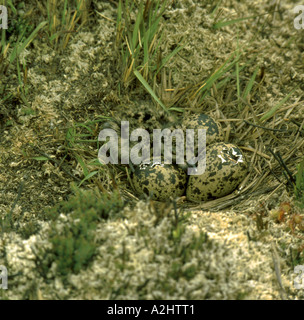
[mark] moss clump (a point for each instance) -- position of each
(73, 244)
(73, 249)
(90, 204)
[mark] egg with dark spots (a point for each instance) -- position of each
(225, 169)
(160, 181)
(214, 132)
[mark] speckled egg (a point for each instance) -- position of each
(225, 169)
(159, 180)
(213, 128)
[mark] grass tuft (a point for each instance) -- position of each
(73, 244)
(139, 41)
(64, 18)
(14, 40)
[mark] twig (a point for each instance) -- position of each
(288, 174)
(103, 16)
(277, 268)
(257, 126)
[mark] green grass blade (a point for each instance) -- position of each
(222, 24)
(14, 10)
(177, 109)
(138, 21)
(82, 164)
(40, 158)
(215, 9)
(149, 89)
(237, 69)
(146, 46)
(223, 82)
(31, 37)
(90, 175)
(271, 112)
(217, 74)
(3, 40)
(64, 12)
(169, 56)
(250, 83)
(119, 15)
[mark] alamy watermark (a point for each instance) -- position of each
(140, 152)
(3, 277)
(3, 17)
(298, 21)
